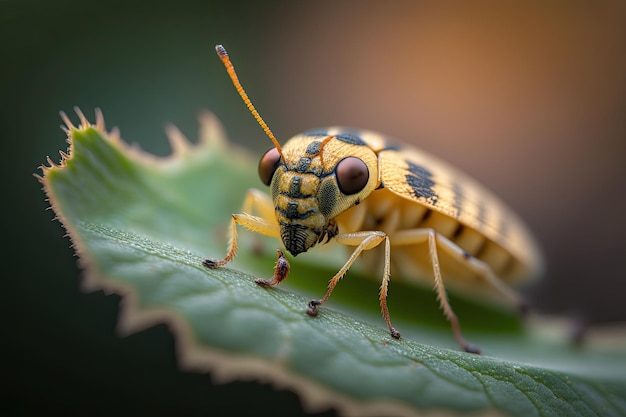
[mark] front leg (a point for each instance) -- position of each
(280, 272)
(362, 241)
(265, 224)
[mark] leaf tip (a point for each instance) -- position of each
(84, 123)
(211, 130)
(100, 125)
(178, 141)
(69, 126)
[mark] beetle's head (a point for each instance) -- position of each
(315, 180)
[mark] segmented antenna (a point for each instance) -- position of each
(221, 52)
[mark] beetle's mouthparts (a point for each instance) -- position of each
(294, 237)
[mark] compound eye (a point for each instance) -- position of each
(352, 175)
(268, 165)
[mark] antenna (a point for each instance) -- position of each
(221, 52)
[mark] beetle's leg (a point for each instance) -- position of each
(266, 224)
(362, 241)
(280, 272)
(483, 271)
(429, 236)
(443, 296)
(257, 202)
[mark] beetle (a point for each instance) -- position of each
(358, 189)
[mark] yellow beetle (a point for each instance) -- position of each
(355, 188)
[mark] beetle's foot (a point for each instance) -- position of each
(210, 263)
(394, 333)
(263, 282)
(469, 348)
(312, 310)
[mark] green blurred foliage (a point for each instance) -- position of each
(145, 64)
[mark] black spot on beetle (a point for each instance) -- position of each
(303, 164)
(316, 133)
(351, 138)
(420, 180)
(292, 212)
(313, 148)
(294, 187)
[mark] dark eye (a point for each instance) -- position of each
(268, 165)
(352, 175)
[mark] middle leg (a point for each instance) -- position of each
(433, 240)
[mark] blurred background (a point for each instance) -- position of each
(528, 98)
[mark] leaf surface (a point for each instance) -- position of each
(142, 226)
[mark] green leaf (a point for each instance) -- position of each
(142, 226)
